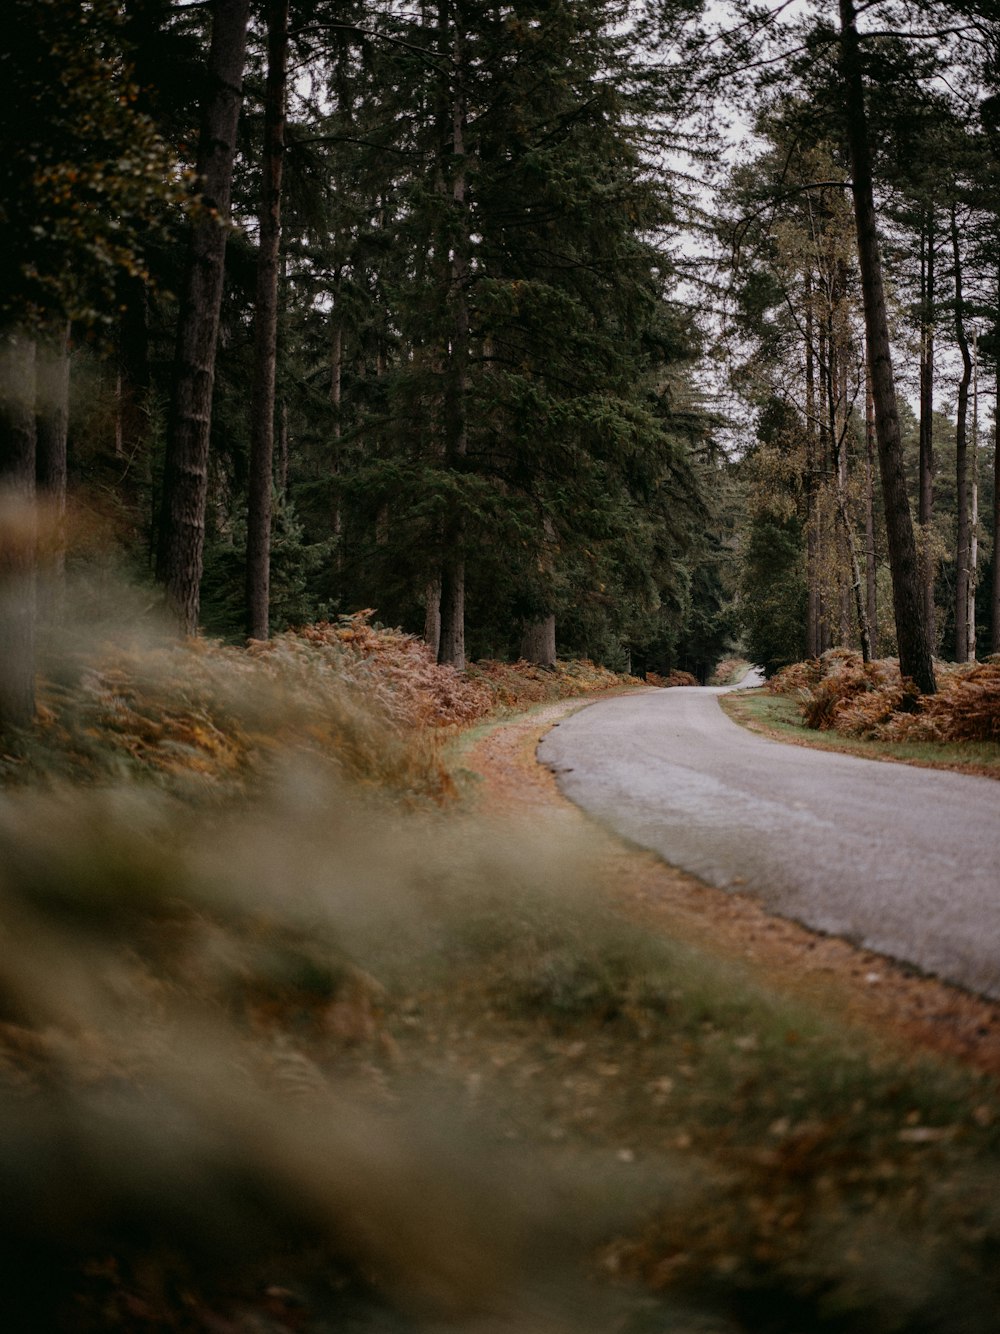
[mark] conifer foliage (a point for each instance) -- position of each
(411, 342)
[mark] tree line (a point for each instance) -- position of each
(819, 539)
(338, 305)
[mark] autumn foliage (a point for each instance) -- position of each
(675, 678)
(204, 717)
(840, 692)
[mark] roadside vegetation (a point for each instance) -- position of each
(839, 702)
(200, 717)
(295, 1038)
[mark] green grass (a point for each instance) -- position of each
(779, 716)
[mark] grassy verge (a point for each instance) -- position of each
(780, 716)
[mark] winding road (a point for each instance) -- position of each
(901, 860)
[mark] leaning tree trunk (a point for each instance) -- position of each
(963, 543)
(258, 571)
(185, 478)
(915, 660)
(17, 530)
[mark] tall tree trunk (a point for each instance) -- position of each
(51, 432)
(258, 570)
(995, 598)
(451, 648)
(538, 642)
(336, 398)
(925, 513)
(871, 583)
(963, 544)
(838, 431)
(974, 500)
(812, 487)
(915, 658)
(432, 617)
(840, 346)
(825, 455)
(17, 530)
(185, 480)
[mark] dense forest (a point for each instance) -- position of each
(627, 331)
(380, 382)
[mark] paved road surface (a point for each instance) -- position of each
(905, 861)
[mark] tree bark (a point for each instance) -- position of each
(825, 634)
(451, 646)
(258, 567)
(812, 488)
(185, 479)
(974, 501)
(432, 617)
(336, 400)
(915, 658)
(925, 513)
(51, 433)
(451, 649)
(538, 639)
(17, 530)
(538, 642)
(963, 543)
(871, 583)
(995, 592)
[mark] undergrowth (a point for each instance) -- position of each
(317, 1059)
(842, 693)
(323, 1065)
(674, 678)
(209, 721)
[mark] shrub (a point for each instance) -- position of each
(675, 678)
(842, 693)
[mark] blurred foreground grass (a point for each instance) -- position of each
(288, 1053)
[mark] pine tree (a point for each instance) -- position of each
(266, 327)
(84, 181)
(185, 480)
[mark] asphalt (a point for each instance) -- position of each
(902, 860)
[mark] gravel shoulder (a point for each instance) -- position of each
(891, 1000)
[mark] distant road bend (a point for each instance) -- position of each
(904, 861)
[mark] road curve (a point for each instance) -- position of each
(904, 861)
